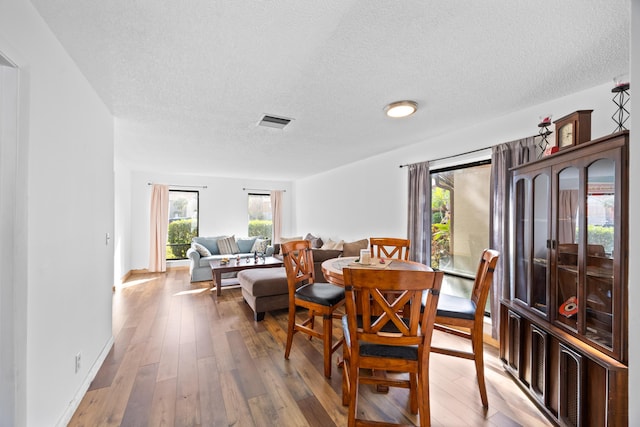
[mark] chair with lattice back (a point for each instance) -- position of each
(464, 317)
(320, 299)
(383, 336)
(389, 247)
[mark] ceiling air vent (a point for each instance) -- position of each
(274, 121)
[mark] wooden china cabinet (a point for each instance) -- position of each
(564, 334)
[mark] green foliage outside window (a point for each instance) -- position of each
(440, 230)
(599, 235)
(179, 237)
(260, 227)
(439, 243)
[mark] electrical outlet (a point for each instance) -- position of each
(78, 357)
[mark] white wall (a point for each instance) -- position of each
(65, 269)
(223, 208)
(122, 223)
(8, 228)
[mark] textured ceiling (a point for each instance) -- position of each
(188, 80)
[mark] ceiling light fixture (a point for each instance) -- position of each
(401, 109)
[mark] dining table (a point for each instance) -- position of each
(332, 268)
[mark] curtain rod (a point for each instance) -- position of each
(181, 186)
(464, 154)
(261, 189)
(449, 157)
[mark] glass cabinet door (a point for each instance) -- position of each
(601, 202)
(522, 237)
(540, 232)
(567, 237)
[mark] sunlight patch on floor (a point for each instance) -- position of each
(192, 292)
(137, 282)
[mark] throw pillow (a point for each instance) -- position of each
(330, 244)
(245, 244)
(353, 248)
(228, 245)
(316, 242)
(210, 243)
(260, 245)
(202, 250)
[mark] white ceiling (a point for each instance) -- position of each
(188, 80)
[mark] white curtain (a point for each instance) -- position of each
(159, 222)
(276, 215)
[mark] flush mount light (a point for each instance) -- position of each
(401, 108)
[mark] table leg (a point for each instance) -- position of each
(218, 277)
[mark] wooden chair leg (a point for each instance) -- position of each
(290, 330)
(353, 395)
(478, 353)
(327, 338)
(345, 376)
(414, 403)
(422, 392)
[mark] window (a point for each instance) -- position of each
(460, 209)
(260, 221)
(183, 222)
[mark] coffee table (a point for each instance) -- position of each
(217, 267)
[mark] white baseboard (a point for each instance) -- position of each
(75, 402)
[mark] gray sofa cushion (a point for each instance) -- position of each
(320, 255)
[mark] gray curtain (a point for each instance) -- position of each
(503, 157)
(419, 213)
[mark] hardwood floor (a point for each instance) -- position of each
(181, 357)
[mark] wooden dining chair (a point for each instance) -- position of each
(464, 317)
(395, 340)
(320, 299)
(389, 247)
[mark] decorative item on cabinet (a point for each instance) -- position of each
(573, 129)
(544, 132)
(621, 99)
(550, 150)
